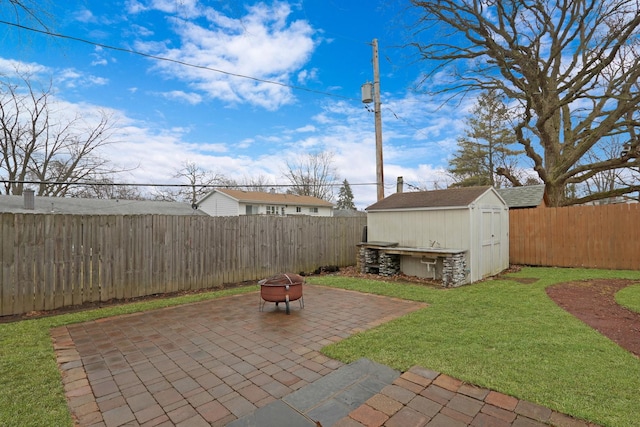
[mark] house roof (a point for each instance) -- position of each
(78, 206)
(528, 196)
(275, 198)
(348, 213)
(449, 198)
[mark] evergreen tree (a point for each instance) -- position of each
(484, 149)
(345, 197)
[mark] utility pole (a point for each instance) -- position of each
(378, 121)
(367, 98)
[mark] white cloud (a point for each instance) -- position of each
(190, 98)
(140, 31)
(99, 61)
(305, 76)
(262, 44)
(73, 78)
(84, 15)
(134, 7)
(307, 128)
(184, 8)
(9, 67)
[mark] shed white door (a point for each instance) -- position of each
(490, 261)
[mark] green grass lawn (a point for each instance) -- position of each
(499, 334)
(510, 337)
(629, 297)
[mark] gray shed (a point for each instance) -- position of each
(458, 235)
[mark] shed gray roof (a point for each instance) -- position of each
(528, 196)
(451, 197)
(77, 206)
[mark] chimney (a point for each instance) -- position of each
(29, 199)
(399, 185)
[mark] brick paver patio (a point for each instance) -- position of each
(213, 362)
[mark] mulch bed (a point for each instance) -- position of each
(593, 302)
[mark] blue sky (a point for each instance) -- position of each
(168, 113)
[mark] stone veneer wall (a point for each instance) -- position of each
(374, 262)
(454, 271)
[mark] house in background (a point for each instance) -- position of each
(227, 202)
(526, 196)
(29, 203)
(457, 235)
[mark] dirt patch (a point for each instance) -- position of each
(593, 302)
(112, 302)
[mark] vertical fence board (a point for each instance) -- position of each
(77, 275)
(59, 261)
(22, 291)
(577, 236)
(39, 279)
(97, 292)
(52, 261)
(6, 263)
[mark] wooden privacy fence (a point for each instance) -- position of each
(54, 261)
(604, 236)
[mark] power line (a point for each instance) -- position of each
(176, 61)
(122, 184)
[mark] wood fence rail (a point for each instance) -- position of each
(53, 261)
(604, 236)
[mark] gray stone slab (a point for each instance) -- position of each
(355, 396)
(276, 414)
(329, 412)
(373, 375)
(327, 400)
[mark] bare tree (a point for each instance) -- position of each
(313, 175)
(607, 180)
(107, 188)
(41, 143)
(27, 11)
(197, 182)
(255, 183)
(573, 67)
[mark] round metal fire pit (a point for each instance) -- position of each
(284, 287)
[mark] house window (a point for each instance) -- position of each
(271, 210)
(313, 210)
(251, 210)
(298, 209)
(282, 211)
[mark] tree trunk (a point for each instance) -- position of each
(555, 194)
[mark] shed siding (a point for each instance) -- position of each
(421, 229)
(490, 199)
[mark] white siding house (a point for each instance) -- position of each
(226, 202)
(426, 227)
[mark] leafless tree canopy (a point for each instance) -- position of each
(27, 11)
(197, 182)
(313, 175)
(42, 143)
(571, 66)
